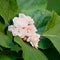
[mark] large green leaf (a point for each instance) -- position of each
(30, 53)
(31, 4)
(5, 41)
(8, 9)
(53, 30)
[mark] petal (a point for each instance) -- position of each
(21, 15)
(10, 28)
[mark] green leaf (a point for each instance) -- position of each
(54, 5)
(31, 4)
(1, 49)
(52, 54)
(30, 53)
(1, 27)
(5, 57)
(44, 43)
(16, 48)
(2, 20)
(41, 18)
(53, 30)
(5, 41)
(2, 23)
(8, 9)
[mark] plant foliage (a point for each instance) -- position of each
(48, 25)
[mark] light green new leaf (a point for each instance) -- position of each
(30, 53)
(8, 9)
(53, 30)
(5, 41)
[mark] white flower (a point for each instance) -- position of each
(23, 26)
(13, 30)
(17, 31)
(20, 22)
(30, 29)
(28, 18)
(34, 39)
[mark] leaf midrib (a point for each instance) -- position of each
(52, 36)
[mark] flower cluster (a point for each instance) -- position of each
(23, 26)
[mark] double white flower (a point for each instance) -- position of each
(23, 26)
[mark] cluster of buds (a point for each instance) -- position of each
(23, 26)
